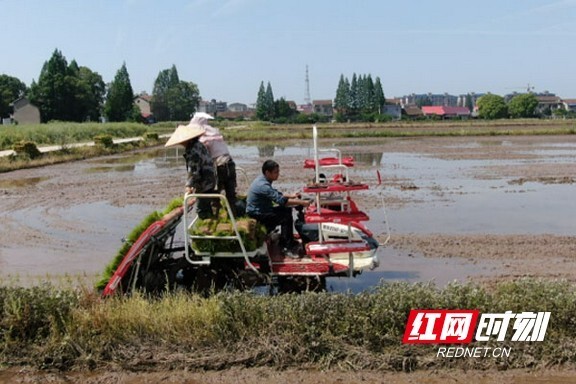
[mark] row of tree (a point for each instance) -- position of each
(268, 109)
(69, 92)
(495, 107)
(359, 99)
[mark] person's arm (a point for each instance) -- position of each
(295, 199)
(292, 202)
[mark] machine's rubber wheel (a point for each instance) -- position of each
(300, 284)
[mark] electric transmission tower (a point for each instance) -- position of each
(307, 100)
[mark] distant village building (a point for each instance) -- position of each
(239, 115)
(548, 102)
(25, 112)
(412, 112)
(237, 107)
(212, 107)
(468, 100)
(392, 110)
(569, 105)
(430, 99)
(144, 102)
(323, 107)
(305, 108)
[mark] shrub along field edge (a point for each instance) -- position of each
(74, 329)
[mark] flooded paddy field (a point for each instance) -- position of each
(479, 208)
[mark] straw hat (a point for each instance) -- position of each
(184, 133)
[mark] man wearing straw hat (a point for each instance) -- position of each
(199, 164)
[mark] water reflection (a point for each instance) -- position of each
(19, 183)
(119, 168)
(266, 150)
(371, 158)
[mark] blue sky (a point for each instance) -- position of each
(227, 47)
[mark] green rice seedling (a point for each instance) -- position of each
(131, 238)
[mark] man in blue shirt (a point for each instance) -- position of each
(271, 207)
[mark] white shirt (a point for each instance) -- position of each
(215, 143)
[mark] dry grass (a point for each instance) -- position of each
(75, 329)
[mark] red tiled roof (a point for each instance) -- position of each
(443, 111)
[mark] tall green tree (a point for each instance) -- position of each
(354, 99)
(93, 91)
(342, 102)
(265, 106)
(492, 107)
(379, 98)
(361, 95)
(183, 100)
(119, 104)
(282, 109)
(369, 103)
(172, 98)
(261, 111)
(86, 91)
(67, 92)
(51, 93)
(523, 105)
(11, 89)
(361, 98)
(269, 100)
(166, 79)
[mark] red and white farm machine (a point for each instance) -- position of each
(334, 242)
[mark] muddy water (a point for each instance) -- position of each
(459, 196)
(466, 186)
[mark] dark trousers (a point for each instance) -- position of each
(204, 206)
(281, 216)
(227, 182)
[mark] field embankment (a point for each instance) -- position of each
(73, 329)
